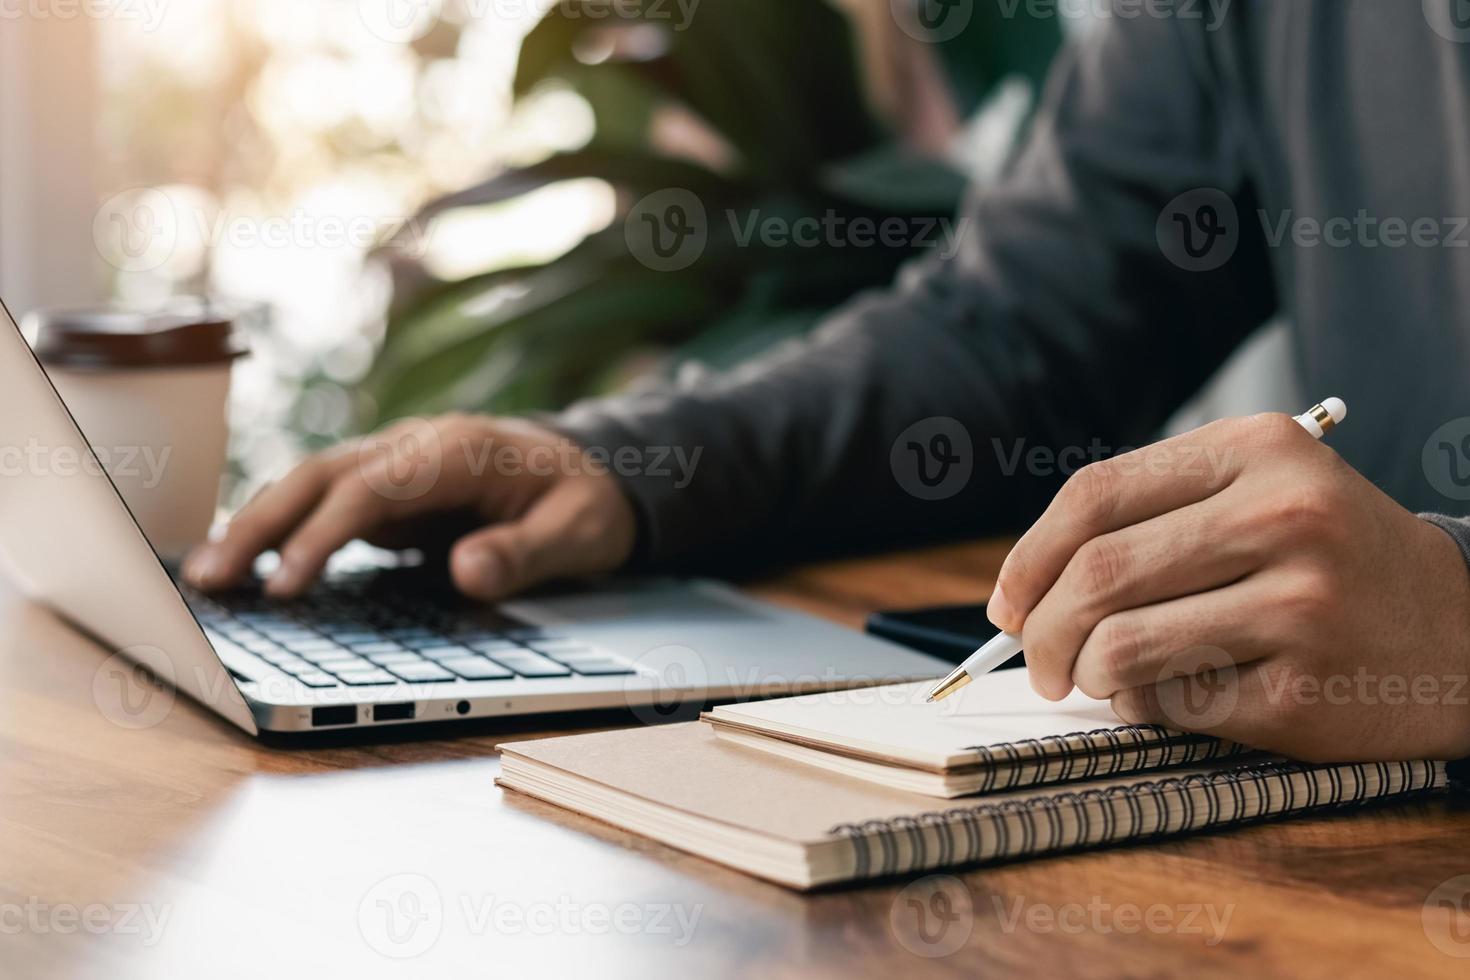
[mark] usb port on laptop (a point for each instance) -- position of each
(393, 712)
(336, 714)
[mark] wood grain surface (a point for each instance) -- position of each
(181, 848)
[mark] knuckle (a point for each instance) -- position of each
(1091, 495)
(1275, 431)
(1229, 430)
(1305, 511)
(1016, 572)
(1306, 598)
(1110, 656)
(1102, 566)
(355, 492)
(301, 551)
(1121, 642)
(455, 425)
(312, 470)
(589, 526)
(514, 560)
(250, 517)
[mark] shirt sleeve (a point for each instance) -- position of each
(1057, 332)
(1457, 528)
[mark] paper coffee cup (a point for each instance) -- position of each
(149, 391)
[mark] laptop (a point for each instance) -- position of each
(391, 645)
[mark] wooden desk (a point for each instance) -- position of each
(271, 862)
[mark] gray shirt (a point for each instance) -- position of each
(1186, 180)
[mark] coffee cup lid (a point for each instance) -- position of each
(187, 335)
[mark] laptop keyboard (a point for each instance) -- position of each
(340, 635)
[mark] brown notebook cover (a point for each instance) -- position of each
(803, 827)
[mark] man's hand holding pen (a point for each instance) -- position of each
(1332, 621)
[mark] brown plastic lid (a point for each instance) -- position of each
(98, 339)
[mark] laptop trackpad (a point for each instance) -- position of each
(664, 604)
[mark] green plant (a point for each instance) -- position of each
(779, 81)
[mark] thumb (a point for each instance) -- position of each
(557, 537)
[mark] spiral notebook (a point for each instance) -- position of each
(995, 734)
(803, 827)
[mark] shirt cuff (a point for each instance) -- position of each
(1457, 528)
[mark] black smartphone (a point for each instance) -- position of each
(951, 633)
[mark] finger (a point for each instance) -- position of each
(1150, 644)
(1194, 549)
(1235, 705)
(263, 522)
(383, 485)
(1113, 494)
(349, 510)
(563, 534)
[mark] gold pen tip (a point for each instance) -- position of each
(948, 686)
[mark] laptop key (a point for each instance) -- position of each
(287, 638)
(313, 645)
(528, 664)
(354, 637)
(601, 668)
(442, 654)
(556, 644)
(421, 671)
(340, 667)
(336, 654)
(367, 678)
(585, 652)
(477, 669)
(299, 667)
(494, 646)
(472, 636)
(414, 635)
(368, 649)
(529, 633)
(318, 679)
(401, 657)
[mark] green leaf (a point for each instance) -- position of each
(552, 344)
(995, 45)
(778, 80)
(890, 178)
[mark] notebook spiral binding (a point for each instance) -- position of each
(962, 833)
(1103, 751)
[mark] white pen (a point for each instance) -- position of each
(1318, 420)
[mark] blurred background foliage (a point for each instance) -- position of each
(764, 110)
(493, 148)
